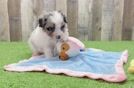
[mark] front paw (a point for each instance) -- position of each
(37, 54)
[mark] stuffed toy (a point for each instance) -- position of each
(70, 48)
(131, 67)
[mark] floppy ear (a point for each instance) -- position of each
(64, 17)
(41, 23)
(43, 20)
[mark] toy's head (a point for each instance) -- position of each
(70, 48)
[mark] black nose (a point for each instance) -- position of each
(58, 37)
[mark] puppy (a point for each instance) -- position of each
(52, 28)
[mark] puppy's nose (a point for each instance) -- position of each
(58, 37)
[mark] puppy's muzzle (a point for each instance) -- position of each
(58, 37)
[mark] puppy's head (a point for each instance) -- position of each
(54, 24)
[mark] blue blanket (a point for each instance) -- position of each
(92, 63)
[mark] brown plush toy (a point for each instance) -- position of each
(64, 47)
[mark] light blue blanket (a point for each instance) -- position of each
(92, 63)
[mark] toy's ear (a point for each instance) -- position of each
(65, 47)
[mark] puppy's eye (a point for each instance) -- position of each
(50, 29)
(62, 27)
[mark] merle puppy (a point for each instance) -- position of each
(52, 28)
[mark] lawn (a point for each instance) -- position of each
(13, 52)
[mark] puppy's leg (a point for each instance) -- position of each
(55, 52)
(34, 49)
(48, 53)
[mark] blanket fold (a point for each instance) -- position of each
(92, 63)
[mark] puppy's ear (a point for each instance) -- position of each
(41, 23)
(64, 17)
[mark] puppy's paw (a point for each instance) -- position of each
(37, 54)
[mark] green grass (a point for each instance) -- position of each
(13, 52)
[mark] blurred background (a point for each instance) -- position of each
(96, 20)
